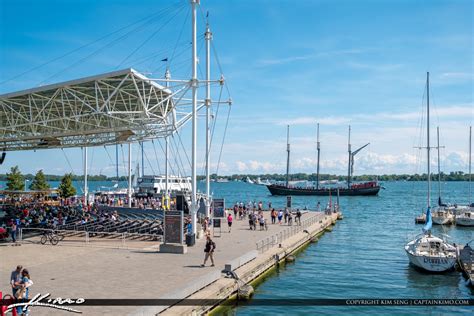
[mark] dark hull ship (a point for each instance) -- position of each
(358, 189)
(363, 189)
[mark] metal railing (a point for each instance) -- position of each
(276, 239)
(91, 238)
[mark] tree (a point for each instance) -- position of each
(39, 182)
(66, 189)
(15, 180)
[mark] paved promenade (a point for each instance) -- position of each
(89, 272)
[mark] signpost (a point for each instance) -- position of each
(173, 227)
(218, 207)
(216, 223)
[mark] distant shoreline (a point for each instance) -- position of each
(452, 176)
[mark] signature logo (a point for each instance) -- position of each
(44, 301)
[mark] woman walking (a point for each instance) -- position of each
(229, 221)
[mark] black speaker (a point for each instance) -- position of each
(2, 157)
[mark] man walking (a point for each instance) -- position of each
(15, 279)
(209, 250)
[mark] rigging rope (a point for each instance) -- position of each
(151, 36)
(67, 159)
(149, 17)
(223, 139)
(111, 43)
(156, 156)
(146, 157)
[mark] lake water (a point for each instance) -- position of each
(363, 257)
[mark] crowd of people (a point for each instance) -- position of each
(154, 203)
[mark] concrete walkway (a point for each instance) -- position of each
(70, 272)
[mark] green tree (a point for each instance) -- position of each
(15, 180)
(39, 182)
(66, 189)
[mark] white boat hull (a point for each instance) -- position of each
(442, 220)
(431, 264)
(465, 221)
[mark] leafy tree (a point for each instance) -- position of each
(15, 180)
(66, 189)
(39, 182)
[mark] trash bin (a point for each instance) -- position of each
(190, 239)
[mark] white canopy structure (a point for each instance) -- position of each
(116, 107)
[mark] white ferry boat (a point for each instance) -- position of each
(151, 185)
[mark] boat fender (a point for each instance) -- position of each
(290, 258)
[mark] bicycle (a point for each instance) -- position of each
(51, 236)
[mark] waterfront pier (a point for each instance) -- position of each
(141, 272)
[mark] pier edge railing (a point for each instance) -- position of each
(276, 239)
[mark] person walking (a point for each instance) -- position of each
(290, 219)
(229, 221)
(286, 215)
(13, 228)
(23, 290)
(280, 216)
(298, 217)
(15, 279)
(273, 215)
(209, 251)
(261, 221)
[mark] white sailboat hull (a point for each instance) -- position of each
(442, 220)
(432, 264)
(465, 221)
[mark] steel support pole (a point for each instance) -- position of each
(194, 84)
(167, 77)
(129, 190)
(208, 118)
(85, 176)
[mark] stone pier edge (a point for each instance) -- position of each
(253, 272)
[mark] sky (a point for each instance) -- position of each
(337, 63)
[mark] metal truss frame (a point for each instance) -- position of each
(118, 107)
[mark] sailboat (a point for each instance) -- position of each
(442, 214)
(365, 188)
(465, 215)
(429, 252)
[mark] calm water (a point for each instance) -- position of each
(363, 257)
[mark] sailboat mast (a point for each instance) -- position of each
(439, 168)
(428, 134)
(470, 154)
(317, 167)
(288, 155)
(349, 160)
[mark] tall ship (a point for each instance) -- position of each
(352, 189)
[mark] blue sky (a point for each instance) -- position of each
(336, 62)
